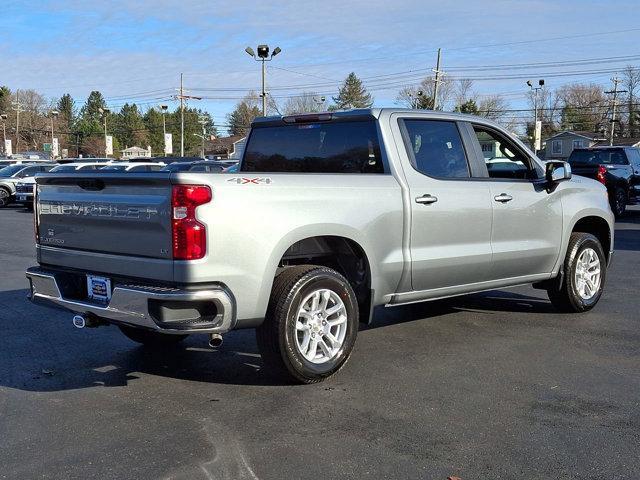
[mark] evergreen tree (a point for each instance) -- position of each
(67, 108)
(468, 107)
(5, 99)
(130, 127)
(245, 112)
(352, 94)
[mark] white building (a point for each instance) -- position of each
(134, 152)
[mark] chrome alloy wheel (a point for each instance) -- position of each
(321, 326)
(587, 274)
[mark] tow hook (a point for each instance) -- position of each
(215, 340)
(86, 321)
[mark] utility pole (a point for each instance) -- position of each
(181, 116)
(182, 98)
(436, 82)
(18, 108)
(614, 107)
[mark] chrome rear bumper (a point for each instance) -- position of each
(130, 304)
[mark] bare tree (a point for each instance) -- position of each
(582, 107)
(493, 107)
(631, 82)
(306, 102)
(464, 91)
(421, 96)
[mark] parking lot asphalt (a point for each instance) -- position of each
(492, 385)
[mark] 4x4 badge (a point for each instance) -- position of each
(255, 181)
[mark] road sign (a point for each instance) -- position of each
(56, 148)
(46, 147)
(108, 150)
(168, 143)
(7, 148)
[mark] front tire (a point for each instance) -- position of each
(151, 339)
(585, 268)
(311, 324)
(5, 197)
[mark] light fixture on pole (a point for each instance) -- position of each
(263, 56)
(105, 112)
(537, 126)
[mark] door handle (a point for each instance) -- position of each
(503, 198)
(426, 199)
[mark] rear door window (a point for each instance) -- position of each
(435, 148)
(324, 147)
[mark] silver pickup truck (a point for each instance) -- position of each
(328, 216)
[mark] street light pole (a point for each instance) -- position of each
(3, 117)
(104, 112)
(535, 91)
(53, 114)
(263, 56)
(163, 109)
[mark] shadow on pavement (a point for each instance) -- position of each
(42, 351)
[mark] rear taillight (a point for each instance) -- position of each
(601, 175)
(189, 235)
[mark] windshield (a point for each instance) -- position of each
(331, 147)
(10, 170)
(598, 157)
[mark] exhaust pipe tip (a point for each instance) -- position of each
(215, 340)
(79, 321)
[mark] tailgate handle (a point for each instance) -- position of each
(91, 184)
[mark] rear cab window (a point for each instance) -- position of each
(605, 156)
(336, 146)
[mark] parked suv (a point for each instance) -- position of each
(329, 216)
(617, 168)
(12, 174)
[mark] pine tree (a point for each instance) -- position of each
(131, 129)
(352, 94)
(469, 107)
(67, 108)
(245, 112)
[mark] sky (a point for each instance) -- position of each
(134, 51)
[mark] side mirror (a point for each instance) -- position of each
(557, 171)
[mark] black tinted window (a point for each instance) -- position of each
(331, 147)
(606, 156)
(435, 148)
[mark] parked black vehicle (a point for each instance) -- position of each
(617, 168)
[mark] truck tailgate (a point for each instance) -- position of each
(105, 215)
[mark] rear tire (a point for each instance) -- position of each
(619, 202)
(311, 324)
(150, 338)
(581, 286)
